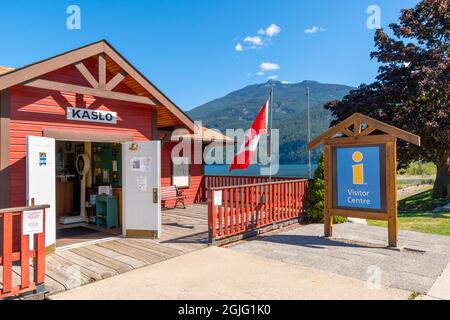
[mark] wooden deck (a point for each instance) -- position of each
(183, 231)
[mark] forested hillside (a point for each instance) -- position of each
(239, 108)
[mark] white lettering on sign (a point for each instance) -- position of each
(33, 222)
(80, 114)
(218, 198)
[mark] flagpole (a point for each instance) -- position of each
(309, 132)
(270, 131)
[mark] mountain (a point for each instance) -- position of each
(238, 109)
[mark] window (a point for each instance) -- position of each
(180, 172)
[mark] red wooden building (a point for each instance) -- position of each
(49, 99)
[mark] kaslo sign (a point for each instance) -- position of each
(81, 114)
(360, 166)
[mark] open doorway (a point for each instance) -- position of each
(88, 191)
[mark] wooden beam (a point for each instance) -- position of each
(399, 133)
(357, 126)
(102, 71)
(330, 133)
(86, 74)
(158, 95)
(5, 105)
(154, 122)
(368, 131)
(58, 86)
(85, 135)
(166, 138)
(347, 132)
(36, 70)
(374, 124)
(116, 80)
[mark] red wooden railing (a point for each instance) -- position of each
(227, 181)
(31, 275)
(246, 207)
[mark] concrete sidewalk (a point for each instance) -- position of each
(359, 251)
(220, 273)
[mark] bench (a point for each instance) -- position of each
(172, 193)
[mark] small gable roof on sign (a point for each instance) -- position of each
(355, 121)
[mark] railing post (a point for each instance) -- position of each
(211, 217)
(39, 273)
(24, 256)
(7, 252)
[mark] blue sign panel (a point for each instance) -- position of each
(358, 182)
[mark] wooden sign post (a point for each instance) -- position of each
(360, 171)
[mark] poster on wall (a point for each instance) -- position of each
(141, 164)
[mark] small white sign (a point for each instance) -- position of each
(33, 222)
(81, 114)
(104, 190)
(142, 183)
(217, 198)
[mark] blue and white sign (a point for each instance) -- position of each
(358, 177)
(81, 114)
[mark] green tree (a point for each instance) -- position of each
(315, 198)
(412, 89)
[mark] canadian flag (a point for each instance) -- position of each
(245, 154)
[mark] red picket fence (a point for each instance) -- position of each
(246, 207)
(32, 275)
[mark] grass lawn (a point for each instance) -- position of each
(417, 215)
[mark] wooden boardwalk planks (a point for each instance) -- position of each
(183, 231)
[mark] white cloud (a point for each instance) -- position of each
(257, 41)
(239, 47)
(260, 73)
(314, 29)
(262, 39)
(285, 82)
(273, 30)
(273, 77)
(268, 66)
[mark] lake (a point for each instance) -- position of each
(286, 170)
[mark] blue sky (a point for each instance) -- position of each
(188, 48)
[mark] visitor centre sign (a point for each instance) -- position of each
(360, 171)
(358, 177)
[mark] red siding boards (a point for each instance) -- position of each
(193, 192)
(33, 110)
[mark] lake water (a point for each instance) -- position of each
(286, 170)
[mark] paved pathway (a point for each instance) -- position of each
(220, 273)
(359, 251)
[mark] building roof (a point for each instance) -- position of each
(204, 134)
(169, 114)
(4, 69)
